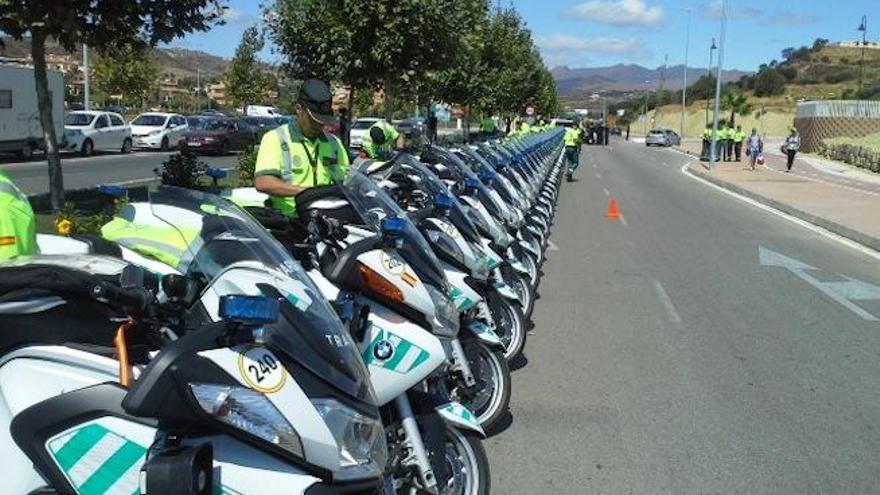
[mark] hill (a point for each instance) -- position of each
(181, 62)
(626, 78)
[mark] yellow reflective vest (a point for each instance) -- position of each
(18, 225)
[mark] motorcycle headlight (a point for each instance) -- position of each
(250, 412)
(446, 321)
(361, 440)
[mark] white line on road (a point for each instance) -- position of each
(623, 221)
(551, 246)
(607, 192)
(807, 225)
(594, 166)
(667, 302)
(598, 175)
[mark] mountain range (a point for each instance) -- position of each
(621, 79)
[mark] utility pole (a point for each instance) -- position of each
(687, 44)
(724, 9)
(863, 27)
(86, 99)
(709, 73)
(198, 87)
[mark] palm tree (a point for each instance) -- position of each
(737, 102)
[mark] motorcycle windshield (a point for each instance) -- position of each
(373, 204)
(435, 187)
(219, 234)
(459, 168)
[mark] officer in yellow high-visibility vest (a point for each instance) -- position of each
(300, 155)
(381, 140)
(572, 141)
(707, 143)
(18, 225)
(738, 137)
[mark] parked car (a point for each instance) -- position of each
(615, 131)
(662, 137)
(85, 132)
(360, 130)
(412, 126)
(262, 125)
(158, 130)
(213, 112)
(261, 111)
(217, 134)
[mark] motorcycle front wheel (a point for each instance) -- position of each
(489, 397)
(468, 463)
(510, 323)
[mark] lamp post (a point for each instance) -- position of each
(725, 5)
(645, 113)
(687, 43)
(87, 102)
(709, 73)
(863, 27)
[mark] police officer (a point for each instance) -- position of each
(383, 138)
(572, 140)
(300, 155)
(488, 127)
(738, 137)
(707, 143)
(725, 136)
(18, 226)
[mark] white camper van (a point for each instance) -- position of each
(20, 129)
(261, 111)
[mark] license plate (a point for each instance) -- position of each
(194, 144)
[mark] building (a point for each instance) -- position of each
(875, 45)
(217, 92)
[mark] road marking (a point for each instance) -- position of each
(667, 302)
(594, 166)
(803, 223)
(623, 221)
(598, 175)
(840, 292)
(551, 246)
(607, 192)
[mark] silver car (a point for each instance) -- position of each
(662, 137)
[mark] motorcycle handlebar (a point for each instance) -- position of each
(134, 300)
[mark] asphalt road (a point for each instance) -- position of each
(101, 168)
(668, 359)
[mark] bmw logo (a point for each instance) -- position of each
(383, 350)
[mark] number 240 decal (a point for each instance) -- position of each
(261, 370)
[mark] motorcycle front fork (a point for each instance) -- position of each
(415, 447)
(459, 363)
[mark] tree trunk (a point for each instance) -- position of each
(466, 127)
(732, 117)
(44, 103)
(346, 139)
(389, 97)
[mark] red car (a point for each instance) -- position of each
(210, 134)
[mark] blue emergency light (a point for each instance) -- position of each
(249, 310)
(392, 227)
(442, 203)
(215, 173)
(113, 190)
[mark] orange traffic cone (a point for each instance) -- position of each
(612, 210)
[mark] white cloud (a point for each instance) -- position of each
(604, 45)
(791, 18)
(712, 10)
(237, 17)
(617, 12)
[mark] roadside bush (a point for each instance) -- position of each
(182, 169)
(247, 162)
(859, 156)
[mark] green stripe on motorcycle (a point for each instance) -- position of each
(82, 441)
(113, 468)
(399, 353)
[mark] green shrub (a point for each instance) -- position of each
(183, 169)
(247, 162)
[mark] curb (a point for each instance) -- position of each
(834, 227)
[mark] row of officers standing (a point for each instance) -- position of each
(729, 143)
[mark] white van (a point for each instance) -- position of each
(261, 111)
(20, 129)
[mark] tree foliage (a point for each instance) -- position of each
(246, 81)
(769, 82)
(99, 25)
(736, 102)
(128, 70)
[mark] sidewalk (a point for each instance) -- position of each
(824, 193)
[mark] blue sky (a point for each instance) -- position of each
(603, 32)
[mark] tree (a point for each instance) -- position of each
(703, 88)
(246, 81)
(130, 71)
(99, 25)
(736, 102)
(769, 83)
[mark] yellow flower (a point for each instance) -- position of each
(64, 226)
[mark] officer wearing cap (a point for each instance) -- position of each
(300, 155)
(18, 226)
(383, 137)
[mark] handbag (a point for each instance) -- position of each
(748, 151)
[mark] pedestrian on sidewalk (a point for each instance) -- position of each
(738, 137)
(791, 146)
(754, 147)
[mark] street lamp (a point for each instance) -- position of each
(687, 43)
(645, 113)
(725, 5)
(863, 27)
(709, 73)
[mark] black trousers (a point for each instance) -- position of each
(790, 160)
(737, 149)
